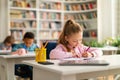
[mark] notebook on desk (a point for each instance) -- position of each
(3, 52)
(83, 62)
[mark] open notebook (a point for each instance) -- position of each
(91, 62)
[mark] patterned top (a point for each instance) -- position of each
(22, 45)
(4, 47)
(60, 52)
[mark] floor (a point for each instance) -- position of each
(99, 78)
(19, 78)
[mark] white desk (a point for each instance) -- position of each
(56, 72)
(7, 63)
(109, 50)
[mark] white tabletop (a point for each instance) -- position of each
(109, 48)
(7, 63)
(112, 59)
(17, 56)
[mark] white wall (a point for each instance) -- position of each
(118, 18)
(3, 19)
(106, 19)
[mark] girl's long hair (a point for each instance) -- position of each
(70, 27)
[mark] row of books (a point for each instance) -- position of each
(77, 0)
(22, 14)
(92, 33)
(23, 3)
(50, 5)
(18, 34)
(88, 26)
(49, 35)
(23, 24)
(78, 6)
(50, 25)
(83, 16)
(49, 15)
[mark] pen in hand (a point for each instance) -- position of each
(86, 53)
(87, 49)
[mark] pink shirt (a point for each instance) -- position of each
(60, 52)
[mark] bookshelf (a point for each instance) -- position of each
(50, 19)
(85, 13)
(45, 18)
(22, 18)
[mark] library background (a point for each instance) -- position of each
(45, 18)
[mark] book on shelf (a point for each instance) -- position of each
(29, 14)
(23, 3)
(23, 24)
(84, 6)
(44, 25)
(18, 34)
(91, 33)
(44, 34)
(56, 34)
(51, 5)
(17, 14)
(50, 15)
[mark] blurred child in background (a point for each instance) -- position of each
(7, 43)
(28, 45)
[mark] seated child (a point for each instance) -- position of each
(7, 43)
(28, 45)
(70, 44)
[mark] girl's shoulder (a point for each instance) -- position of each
(61, 46)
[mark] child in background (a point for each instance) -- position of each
(70, 44)
(7, 43)
(28, 45)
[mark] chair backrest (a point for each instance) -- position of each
(50, 46)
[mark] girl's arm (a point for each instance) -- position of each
(60, 53)
(93, 51)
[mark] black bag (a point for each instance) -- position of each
(23, 70)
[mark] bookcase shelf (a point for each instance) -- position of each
(45, 18)
(85, 13)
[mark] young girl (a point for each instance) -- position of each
(70, 43)
(7, 43)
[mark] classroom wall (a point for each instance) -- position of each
(107, 21)
(118, 17)
(3, 19)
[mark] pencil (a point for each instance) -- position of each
(45, 44)
(87, 48)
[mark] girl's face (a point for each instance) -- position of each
(74, 39)
(8, 44)
(28, 42)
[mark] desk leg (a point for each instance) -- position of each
(7, 70)
(39, 74)
(0, 71)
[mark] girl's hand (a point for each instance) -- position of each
(75, 55)
(87, 54)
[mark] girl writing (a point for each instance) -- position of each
(70, 43)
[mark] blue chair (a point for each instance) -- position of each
(50, 46)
